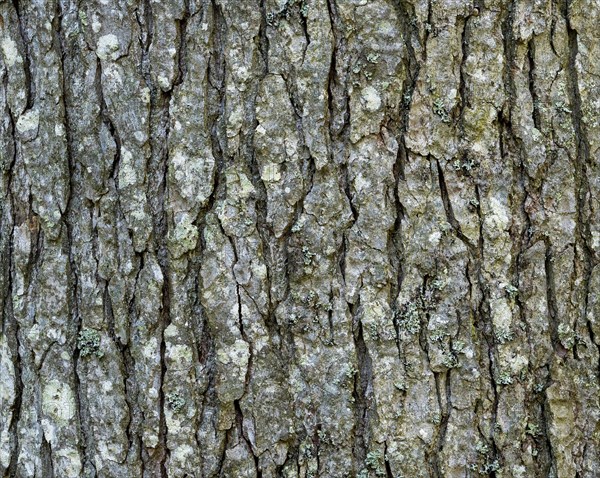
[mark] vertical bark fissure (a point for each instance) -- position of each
(483, 313)
(18, 400)
(448, 209)
(106, 119)
(553, 319)
(158, 116)
(532, 86)
(216, 92)
(445, 404)
(10, 325)
(583, 195)
(46, 458)
(87, 445)
(181, 48)
(363, 383)
(29, 84)
(408, 23)
(462, 84)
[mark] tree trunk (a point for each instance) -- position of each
(302, 238)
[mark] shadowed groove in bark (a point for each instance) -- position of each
(30, 87)
(87, 446)
(582, 186)
(362, 395)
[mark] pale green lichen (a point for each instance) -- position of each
(511, 291)
(409, 318)
(533, 429)
(28, 121)
(566, 336)
(370, 96)
(449, 360)
(175, 401)
(473, 203)
(373, 58)
(350, 371)
(504, 378)
(458, 346)
(437, 335)
(401, 385)
(88, 343)
(503, 335)
(183, 238)
(10, 52)
(488, 463)
(482, 448)
(304, 9)
(374, 462)
(108, 47)
(440, 109)
(83, 18)
(489, 467)
(561, 107)
(373, 332)
(307, 256)
(466, 166)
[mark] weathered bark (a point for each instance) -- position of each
(300, 238)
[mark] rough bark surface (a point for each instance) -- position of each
(299, 238)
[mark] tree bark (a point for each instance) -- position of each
(300, 238)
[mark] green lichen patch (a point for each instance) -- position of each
(566, 336)
(374, 462)
(88, 343)
(175, 401)
(183, 238)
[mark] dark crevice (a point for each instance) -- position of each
(584, 261)
(130, 385)
(308, 166)
(265, 231)
(263, 44)
(339, 121)
(484, 322)
(450, 213)
(304, 25)
(216, 97)
(87, 446)
(395, 242)
(553, 319)
(462, 85)
(27, 67)
(363, 389)
(408, 23)
(9, 324)
(182, 24)
(547, 419)
(46, 458)
(157, 167)
(240, 429)
(388, 467)
(444, 398)
(338, 110)
(106, 119)
(532, 88)
(10, 329)
(509, 54)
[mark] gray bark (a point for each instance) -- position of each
(299, 238)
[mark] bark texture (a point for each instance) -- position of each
(299, 238)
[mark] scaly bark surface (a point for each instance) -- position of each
(299, 238)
